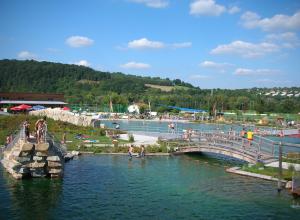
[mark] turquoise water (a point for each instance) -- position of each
(113, 187)
(162, 126)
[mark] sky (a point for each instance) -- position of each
(208, 43)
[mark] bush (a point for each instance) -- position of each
(291, 168)
(130, 138)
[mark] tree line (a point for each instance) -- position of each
(83, 85)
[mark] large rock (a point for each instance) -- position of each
(38, 173)
(41, 154)
(53, 158)
(15, 153)
(23, 159)
(55, 171)
(26, 146)
(37, 164)
(24, 170)
(11, 164)
(24, 154)
(36, 158)
(42, 147)
(52, 164)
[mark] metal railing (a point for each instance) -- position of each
(16, 136)
(46, 137)
(259, 148)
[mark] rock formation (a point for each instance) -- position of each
(60, 115)
(25, 159)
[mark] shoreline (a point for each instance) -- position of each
(126, 154)
(237, 170)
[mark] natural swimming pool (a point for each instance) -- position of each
(161, 127)
(158, 187)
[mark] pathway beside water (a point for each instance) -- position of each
(113, 187)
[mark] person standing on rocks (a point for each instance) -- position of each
(40, 127)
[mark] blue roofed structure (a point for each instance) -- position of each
(190, 110)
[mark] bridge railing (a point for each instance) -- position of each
(258, 147)
(229, 141)
(16, 136)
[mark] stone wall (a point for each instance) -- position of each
(60, 115)
(26, 159)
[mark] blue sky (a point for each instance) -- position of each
(209, 43)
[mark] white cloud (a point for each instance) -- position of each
(211, 64)
(233, 10)
(153, 3)
(83, 63)
(135, 65)
(26, 55)
(219, 67)
(199, 77)
(182, 45)
(206, 7)
(246, 49)
(286, 39)
(258, 72)
(211, 8)
(79, 41)
(144, 43)
(278, 22)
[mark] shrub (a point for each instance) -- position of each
(130, 137)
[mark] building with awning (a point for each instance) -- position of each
(44, 99)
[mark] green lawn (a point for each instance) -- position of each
(11, 124)
(270, 171)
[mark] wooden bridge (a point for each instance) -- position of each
(260, 149)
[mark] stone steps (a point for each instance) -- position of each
(27, 159)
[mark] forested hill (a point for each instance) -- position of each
(84, 85)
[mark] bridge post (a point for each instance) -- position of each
(279, 185)
(258, 148)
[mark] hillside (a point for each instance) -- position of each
(83, 85)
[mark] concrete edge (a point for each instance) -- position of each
(236, 170)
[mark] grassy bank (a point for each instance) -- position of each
(122, 149)
(270, 171)
(76, 136)
(11, 124)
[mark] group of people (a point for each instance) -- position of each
(141, 153)
(40, 129)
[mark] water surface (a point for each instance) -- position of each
(113, 187)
